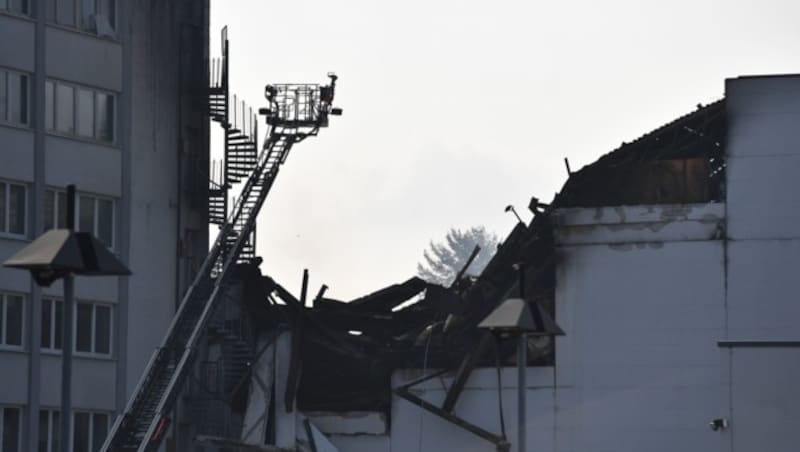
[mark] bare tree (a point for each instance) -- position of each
(444, 260)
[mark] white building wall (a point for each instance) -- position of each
(764, 206)
(639, 362)
(16, 43)
(645, 294)
(763, 155)
(641, 295)
(412, 427)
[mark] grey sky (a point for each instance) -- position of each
(454, 109)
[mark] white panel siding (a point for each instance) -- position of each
(638, 224)
(16, 43)
(640, 349)
(766, 399)
(763, 156)
(14, 390)
(100, 59)
(91, 383)
(16, 153)
(94, 168)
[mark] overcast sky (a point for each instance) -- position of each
(455, 109)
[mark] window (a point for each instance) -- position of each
(11, 319)
(51, 323)
(80, 111)
(10, 429)
(92, 326)
(14, 94)
(49, 101)
(15, 6)
(55, 209)
(93, 214)
(96, 16)
(65, 106)
(13, 199)
(85, 116)
(89, 431)
(49, 431)
(104, 117)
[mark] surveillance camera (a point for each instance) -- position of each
(718, 424)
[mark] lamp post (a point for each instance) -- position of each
(516, 318)
(61, 254)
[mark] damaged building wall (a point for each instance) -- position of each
(641, 293)
(478, 404)
(656, 259)
(645, 304)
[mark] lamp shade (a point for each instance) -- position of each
(515, 315)
(61, 251)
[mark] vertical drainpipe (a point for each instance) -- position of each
(36, 223)
(123, 227)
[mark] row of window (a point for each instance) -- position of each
(76, 110)
(15, 6)
(70, 109)
(96, 16)
(92, 322)
(89, 429)
(92, 326)
(93, 214)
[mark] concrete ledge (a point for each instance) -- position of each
(349, 422)
(639, 224)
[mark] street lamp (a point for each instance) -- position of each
(62, 253)
(517, 318)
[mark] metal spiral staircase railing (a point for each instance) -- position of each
(144, 422)
(240, 126)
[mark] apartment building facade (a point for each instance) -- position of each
(107, 95)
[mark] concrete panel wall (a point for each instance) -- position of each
(639, 368)
(762, 290)
(763, 153)
(14, 390)
(639, 224)
(101, 59)
(765, 398)
(154, 174)
(94, 168)
(362, 443)
(90, 390)
(413, 427)
(763, 156)
(13, 279)
(94, 288)
(16, 43)
(16, 154)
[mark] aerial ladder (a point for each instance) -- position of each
(294, 112)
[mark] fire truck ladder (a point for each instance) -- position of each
(295, 112)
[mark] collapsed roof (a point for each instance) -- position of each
(345, 352)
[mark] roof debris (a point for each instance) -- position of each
(347, 350)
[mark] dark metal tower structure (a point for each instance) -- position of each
(294, 112)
